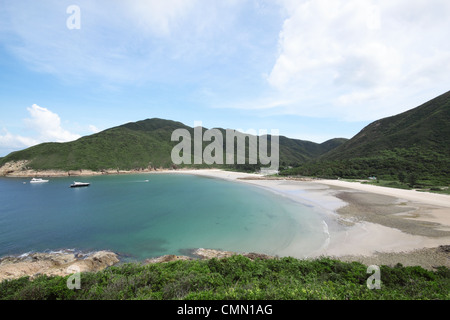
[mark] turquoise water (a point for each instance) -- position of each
(147, 215)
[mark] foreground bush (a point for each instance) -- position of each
(237, 277)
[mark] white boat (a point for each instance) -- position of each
(79, 184)
(38, 180)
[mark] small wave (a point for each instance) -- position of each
(325, 228)
(327, 232)
(79, 254)
(25, 255)
(59, 251)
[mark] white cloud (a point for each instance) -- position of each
(349, 59)
(119, 42)
(93, 128)
(11, 141)
(329, 41)
(361, 60)
(46, 126)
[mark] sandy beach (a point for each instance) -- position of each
(364, 222)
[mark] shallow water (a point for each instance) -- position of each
(148, 215)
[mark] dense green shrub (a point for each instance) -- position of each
(237, 277)
(412, 166)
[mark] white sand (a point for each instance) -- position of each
(362, 237)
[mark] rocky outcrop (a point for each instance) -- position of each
(204, 254)
(13, 167)
(52, 264)
(20, 169)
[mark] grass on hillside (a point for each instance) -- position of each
(240, 278)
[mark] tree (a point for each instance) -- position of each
(412, 179)
(401, 176)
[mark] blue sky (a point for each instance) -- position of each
(314, 70)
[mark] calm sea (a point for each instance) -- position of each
(148, 215)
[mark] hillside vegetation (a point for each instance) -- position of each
(145, 144)
(412, 147)
(239, 278)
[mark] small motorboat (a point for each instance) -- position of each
(79, 184)
(38, 180)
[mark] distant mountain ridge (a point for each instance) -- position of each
(426, 126)
(141, 145)
(413, 145)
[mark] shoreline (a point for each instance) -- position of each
(18, 170)
(364, 222)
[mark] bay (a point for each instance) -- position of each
(147, 215)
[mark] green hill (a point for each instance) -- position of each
(412, 145)
(295, 151)
(142, 144)
(133, 145)
(426, 127)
